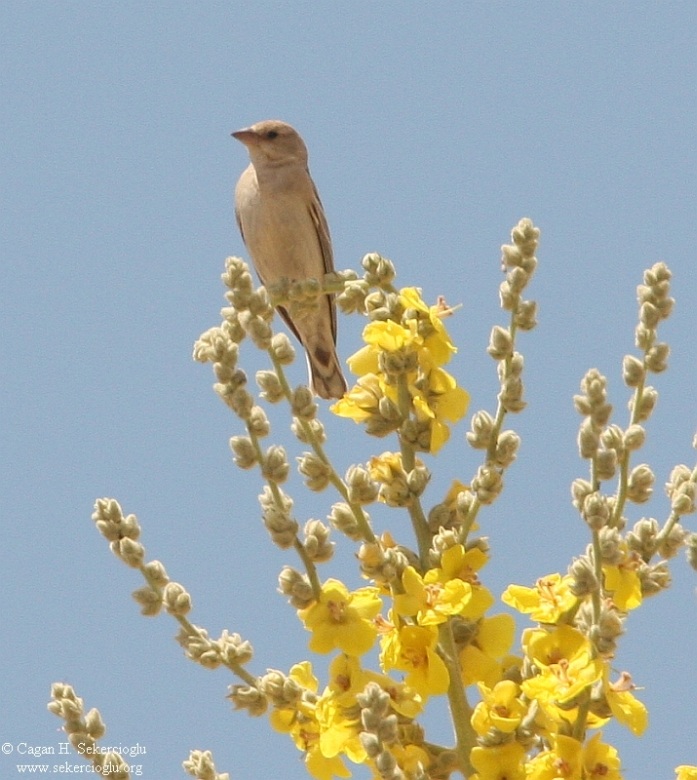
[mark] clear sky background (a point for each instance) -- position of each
(432, 129)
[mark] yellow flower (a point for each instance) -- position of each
(563, 762)
(303, 675)
(300, 721)
(347, 679)
(686, 772)
(383, 336)
(623, 582)
(388, 336)
(600, 760)
(412, 649)
(456, 487)
(547, 602)
(342, 619)
(436, 340)
(322, 768)
(549, 647)
(456, 563)
(628, 710)
(441, 401)
(361, 401)
(301, 714)
(567, 669)
(451, 501)
(408, 758)
(500, 762)
(429, 599)
(365, 361)
(482, 659)
(340, 729)
(330, 726)
(566, 666)
(571, 760)
(500, 708)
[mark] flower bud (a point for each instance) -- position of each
(506, 448)
(232, 649)
(316, 542)
(673, 542)
(633, 371)
(583, 575)
(282, 349)
(634, 437)
(691, 549)
(244, 451)
(580, 489)
(511, 394)
(588, 440)
(296, 587)
(646, 404)
(657, 358)
(131, 553)
(526, 315)
(642, 538)
(361, 488)
(176, 600)
(275, 466)
(248, 697)
(482, 425)
(640, 484)
(606, 464)
(316, 472)
(596, 511)
(343, 519)
(487, 484)
(500, 343)
(303, 403)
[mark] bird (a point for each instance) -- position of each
(284, 228)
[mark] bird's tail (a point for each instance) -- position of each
(326, 377)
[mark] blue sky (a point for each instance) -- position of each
(432, 130)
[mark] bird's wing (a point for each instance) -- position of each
(319, 220)
(241, 184)
(239, 223)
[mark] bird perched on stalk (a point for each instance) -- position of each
(283, 226)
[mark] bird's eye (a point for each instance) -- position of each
(272, 134)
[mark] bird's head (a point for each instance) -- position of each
(273, 142)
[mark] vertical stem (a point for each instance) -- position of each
(460, 710)
(416, 512)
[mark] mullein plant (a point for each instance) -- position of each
(536, 713)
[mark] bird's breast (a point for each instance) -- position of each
(279, 232)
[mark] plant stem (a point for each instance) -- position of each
(460, 710)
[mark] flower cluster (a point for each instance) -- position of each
(445, 605)
(426, 618)
(434, 631)
(402, 383)
(335, 723)
(544, 723)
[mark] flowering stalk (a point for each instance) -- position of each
(519, 261)
(567, 665)
(84, 731)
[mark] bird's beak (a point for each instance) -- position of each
(247, 136)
